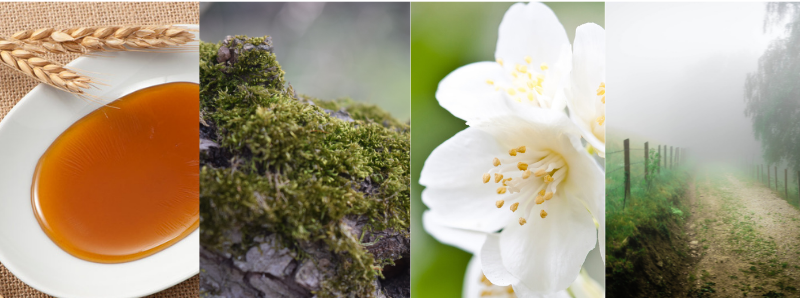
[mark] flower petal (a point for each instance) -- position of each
(586, 287)
(455, 192)
(492, 262)
(467, 240)
(474, 288)
(461, 160)
(539, 128)
(588, 72)
(531, 30)
(589, 58)
(472, 279)
(546, 254)
(465, 92)
(523, 291)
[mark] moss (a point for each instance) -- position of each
(290, 168)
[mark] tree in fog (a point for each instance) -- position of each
(772, 92)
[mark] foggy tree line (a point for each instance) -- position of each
(772, 92)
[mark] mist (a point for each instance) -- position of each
(676, 75)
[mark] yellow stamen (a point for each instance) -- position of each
(512, 152)
(522, 68)
(499, 203)
(500, 61)
(521, 149)
(530, 84)
(490, 82)
(540, 78)
(541, 193)
(486, 177)
(544, 66)
(601, 120)
(526, 174)
(506, 180)
(548, 178)
(497, 177)
(530, 96)
(511, 91)
(522, 221)
(543, 214)
(501, 190)
(514, 207)
(496, 161)
(603, 100)
(540, 172)
(602, 89)
(539, 89)
(522, 166)
(548, 196)
(485, 280)
(528, 59)
(539, 200)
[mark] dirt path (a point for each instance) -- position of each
(745, 238)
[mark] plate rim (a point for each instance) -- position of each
(32, 281)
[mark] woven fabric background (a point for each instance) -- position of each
(18, 16)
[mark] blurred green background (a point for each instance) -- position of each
(328, 50)
(445, 36)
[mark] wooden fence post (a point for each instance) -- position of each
(646, 159)
(677, 156)
(626, 146)
(776, 177)
(671, 157)
(660, 158)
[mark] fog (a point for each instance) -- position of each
(676, 74)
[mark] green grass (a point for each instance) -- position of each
(650, 202)
(652, 206)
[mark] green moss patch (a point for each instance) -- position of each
(296, 166)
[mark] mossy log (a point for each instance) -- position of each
(299, 197)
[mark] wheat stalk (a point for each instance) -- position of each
(44, 70)
(98, 39)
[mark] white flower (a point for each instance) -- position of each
(586, 287)
(476, 285)
(531, 67)
(525, 174)
(586, 91)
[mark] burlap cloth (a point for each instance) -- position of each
(18, 16)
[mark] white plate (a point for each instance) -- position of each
(28, 130)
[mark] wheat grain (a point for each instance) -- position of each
(44, 70)
(98, 39)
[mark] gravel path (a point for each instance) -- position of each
(745, 238)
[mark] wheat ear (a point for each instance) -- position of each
(44, 70)
(99, 39)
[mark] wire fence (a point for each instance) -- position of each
(633, 166)
(770, 176)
